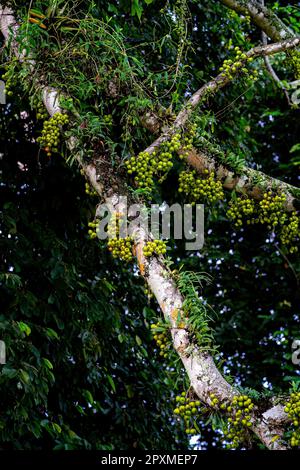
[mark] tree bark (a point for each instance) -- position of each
(204, 376)
(263, 17)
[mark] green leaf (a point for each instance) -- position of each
(24, 328)
(144, 351)
(138, 340)
(112, 8)
(24, 376)
(51, 299)
(120, 338)
(9, 372)
(136, 8)
(51, 334)
(88, 396)
(295, 148)
(112, 383)
(290, 378)
(56, 427)
(130, 392)
(47, 363)
(11, 280)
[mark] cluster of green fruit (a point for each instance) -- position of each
(271, 211)
(51, 132)
(290, 232)
(147, 165)
(166, 152)
(294, 59)
(107, 118)
(197, 188)
(120, 247)
(159, 333)
(231, 14)
(239, 420)
(188, 410)
(156, 246)
(187, 141)
(232, 67)
(89, 190)
(10, 80)
(37, 104)
(144, 165)
(214, 400)
(180, 13)
(292, 408)
(93, 226)
(148, 292)
(246, 19)
(239, 209)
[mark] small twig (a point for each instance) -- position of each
(269, 66)
(288, 262)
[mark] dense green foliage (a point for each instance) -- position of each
(80, 359)
(82, 368)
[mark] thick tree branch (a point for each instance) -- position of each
(263, 17)
(269, 66)
(247, 181)
(204, 376)
(220, 81)
(216, 84)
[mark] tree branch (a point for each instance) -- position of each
(269, 67)
(263, 17)
(216, 84)
(247, 181)
(204, 376)
(220, 81)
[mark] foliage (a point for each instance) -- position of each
(81, 372)
(194, 308)
(78, 344)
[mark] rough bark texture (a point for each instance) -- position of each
(219, 81)
(216, 84)
(246, 182)
(268, 64)
(264, 18)
(204, 376)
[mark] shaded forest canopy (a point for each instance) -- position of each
(139, 343)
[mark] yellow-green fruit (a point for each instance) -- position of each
(197, 188)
